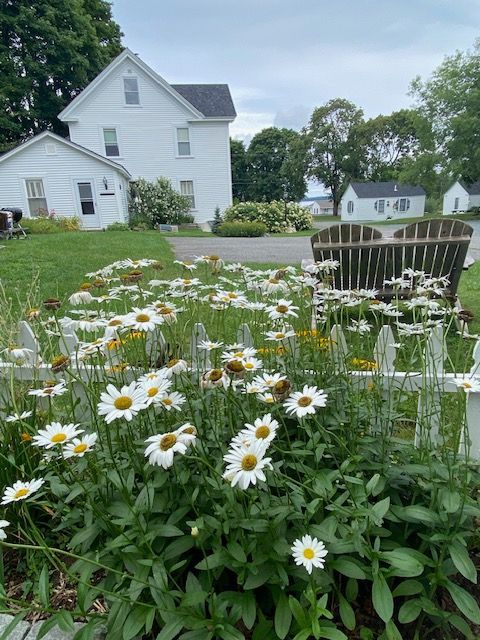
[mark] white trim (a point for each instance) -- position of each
(98, 213)
(179, 181)
(125, 103)
(175, 137)
(68, 143)
(35, 176)
(126, 54)
(117, 128)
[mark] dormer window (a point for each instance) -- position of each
(130, 88)
(183, 141)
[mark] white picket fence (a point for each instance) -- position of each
(430, 384)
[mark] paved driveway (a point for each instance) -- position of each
(288, 250)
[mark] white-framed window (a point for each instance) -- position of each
(183, 141)
(457, 204)
(404, 204)
(110, 140)
(186, 189)
(350, 206)
(130, 89)
(380, 206)
(37, 202)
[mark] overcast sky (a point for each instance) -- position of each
(282, 58)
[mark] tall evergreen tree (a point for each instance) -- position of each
(49, 51)
(239, 170)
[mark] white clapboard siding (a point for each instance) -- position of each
(147, 137)
(430, 383)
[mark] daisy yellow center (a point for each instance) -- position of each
(80, 448)
(172, 363)
(187, 281)
(273, 281)
(190, 430)
(239, 354)
(249, 462)
(114, 323)
(304, 401)
(308, 553)
(48, 391)
(282, 308)
(21, 493)
(142, 317)
(262, 432)
(59, 437)
(26, 437)
(467, 385)
(232, 295)
(123, 403)
(281, 386)
(168, 441)
(165, 310)
(214, 258)
(167, 401)
(152, 392)
(249, 365)
(236, 366)
(279, 336)
(215, 375)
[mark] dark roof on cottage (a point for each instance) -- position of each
(473, 188)
(386, 189)
(213, 100)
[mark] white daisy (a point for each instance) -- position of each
(209, 346)
(173, 400)
(142, 319)
(252, 364)
(155, 389)
(125, 403)
(263, 429)
(304, 402)
(254, 387)
(21, 490)
(49, 391)
(278, 336)
(245, 465)
(468, 384)
(266, 397)
(80, 297)
(80, 446)
(56, 433)
(164, 446)
(15, 417)
(214, 378)
(309, 552)
(19, 355)
(174, 367)
(3, 524)
(269, 379)
(362, 327)
(238, 354)
(282, 309)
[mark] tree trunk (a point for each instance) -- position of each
(335, 207)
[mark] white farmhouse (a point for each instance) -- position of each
(51, 174)
(128, 123)
(318, 205)
(382, 201)
(461, 197)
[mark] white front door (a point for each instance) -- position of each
(87, 204)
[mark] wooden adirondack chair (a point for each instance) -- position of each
(367, 258)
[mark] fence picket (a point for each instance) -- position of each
(339, 347)
(427, 428)
(244, 335)
(200, 357)
(27, 340)
(385, 352)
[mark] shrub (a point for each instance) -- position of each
(157, 202)
(276, 215)
(242, 229)
(52, 224)
(118, 226)
(217, 220)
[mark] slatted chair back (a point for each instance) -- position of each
(438, 247)
(366, 258)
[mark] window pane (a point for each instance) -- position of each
(87, 207)
(131, 98)
(37, 206)
(110, 136)
(130, 84)
(186, 189)
(112, 150)
(183, 135)
(85, 191)
(381, 206)
(183, 148)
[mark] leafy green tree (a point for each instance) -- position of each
(157, 202)
(335, 147)
(239, 170)
(450, 100)
(49, 51)
(275, 169)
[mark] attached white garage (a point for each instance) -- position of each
(50, 173)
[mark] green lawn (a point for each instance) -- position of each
(55, 265)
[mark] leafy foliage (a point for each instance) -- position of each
(277, 216)
(157, 202)
(242, 229)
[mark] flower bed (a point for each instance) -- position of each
(249, 477)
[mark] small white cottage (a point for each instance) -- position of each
(382, 201)
(318, 205)
(49, 173)
(461, 197)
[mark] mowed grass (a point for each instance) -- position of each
(54, 265)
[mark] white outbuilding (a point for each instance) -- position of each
(461, 197)
(382, 201)
(52, 174)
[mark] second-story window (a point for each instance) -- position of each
(183, 141)
(110, 139)
(130, 87)
(186, 189)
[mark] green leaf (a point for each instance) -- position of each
(178, 547)
(349, 568)
(212, 561)
(332, 634)
(462, 561)
(7, 631)
(304, 634)
(255, 580)
(134, 622)
(450, 500)
(382, 598)
(416, 513)
(236, 551)
(298, 612)
(464, 601)
(408, 588)
(392, 632)
(44, 586)
(402, 559)
(283, 617)
(47, 626)
(346, 613)
(461, 624)
(380, 509)
(409, 611)
(249, 609)
(171, 629)
(168, 531)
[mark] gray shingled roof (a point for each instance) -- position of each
(473, 189)
(213, 100)
(386, 190)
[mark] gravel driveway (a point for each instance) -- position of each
(288, 250)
